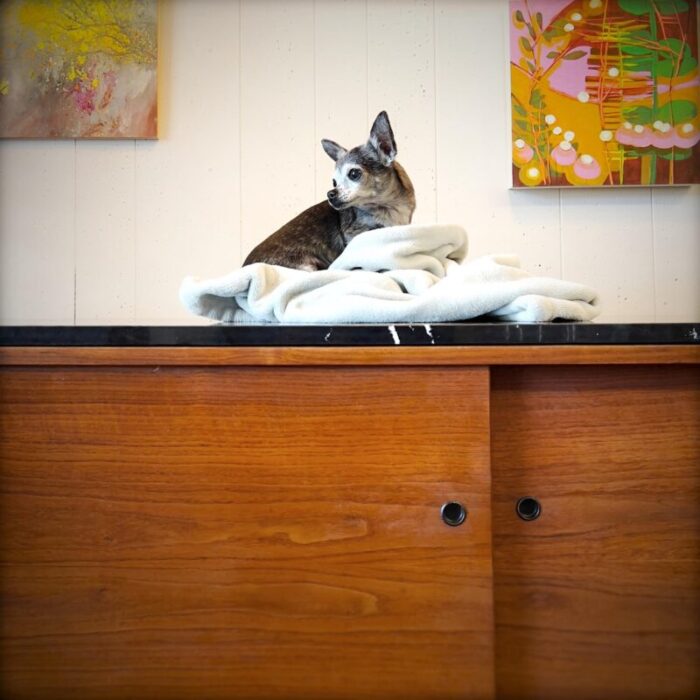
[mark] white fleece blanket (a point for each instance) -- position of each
(402, 274)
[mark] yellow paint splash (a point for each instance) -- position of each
(109, 27)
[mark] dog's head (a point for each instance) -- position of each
(367, 175)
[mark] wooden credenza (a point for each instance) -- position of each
(266, 523)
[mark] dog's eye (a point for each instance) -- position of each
(354, 174)
(335, 184)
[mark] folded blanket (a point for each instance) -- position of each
(414, 273)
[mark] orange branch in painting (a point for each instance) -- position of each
(78, 68)
(604, 92)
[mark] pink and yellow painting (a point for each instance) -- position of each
(604, 92)
(78, 68)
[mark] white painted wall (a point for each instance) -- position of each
(103, 232)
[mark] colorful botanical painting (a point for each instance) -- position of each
(604, 92)
(78, 68)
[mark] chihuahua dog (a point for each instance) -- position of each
(370, 190)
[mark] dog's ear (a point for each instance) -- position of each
(382, 138)
(333, 149)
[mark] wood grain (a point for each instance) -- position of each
(244, 533)
(334, 356)
(600, 596)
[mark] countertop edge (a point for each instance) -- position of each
(472, 334)
(357, 356)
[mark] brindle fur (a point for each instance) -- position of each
(383, 197)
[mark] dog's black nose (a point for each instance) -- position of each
(332, 194)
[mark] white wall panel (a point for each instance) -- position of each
(187, 210)
(676, 253)
(473, 143)
(340, 69)
(37, 232)
(277, 115)
(607, 243)
(104, 232)
(401, 80)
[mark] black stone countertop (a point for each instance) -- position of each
(444, 334)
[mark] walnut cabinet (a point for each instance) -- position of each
(268, 523)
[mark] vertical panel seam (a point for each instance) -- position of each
(561, 236)
(240, 131)
(653, 251)
(367, 114)
(75, 232)
(315, 91)
(135, 228)
(435, 110)
(508, 96)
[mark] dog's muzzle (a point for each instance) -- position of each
(334, 199)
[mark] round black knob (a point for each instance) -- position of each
(528, 508)
(453, 513)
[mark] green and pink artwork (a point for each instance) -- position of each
(604, 92)
(78, 68)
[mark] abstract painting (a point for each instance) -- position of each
(78, 68)
(604, 92)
